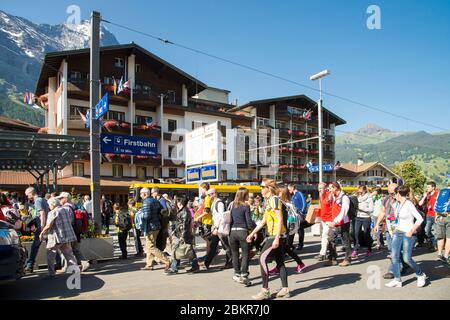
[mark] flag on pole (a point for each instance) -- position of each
(82, 115)
(307, 114)
(120, 88)
(126, 85)
(115, 87)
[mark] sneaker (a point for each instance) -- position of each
(85, 266)
(28, 269)
(345, 263)
(147, 268)
(368, 253)
(274, 271)
(300, 267)
(299, 248)
(354, 254)
(170, 271)
(237, 278)
(394, 284)
(319, 257)
(283, 293)
(193, 270)
(388, 276)
(442, 258)
(330, 263)
(422, 280)
(245, 281)
(264, 294)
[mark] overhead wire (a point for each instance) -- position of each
(166, 41)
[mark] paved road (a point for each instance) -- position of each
(121, 279)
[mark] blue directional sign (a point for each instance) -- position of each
(193, 174)
(136, 146)
(102, 106)
(325, 167)
(209, 172)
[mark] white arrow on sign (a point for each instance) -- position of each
(106, 140)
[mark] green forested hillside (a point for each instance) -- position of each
(430, 151)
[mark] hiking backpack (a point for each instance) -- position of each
(442, 204)
(124, 220)
(293, 218)
(353, 208)
(81, 221)
(138, 219)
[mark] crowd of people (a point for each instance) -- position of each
(248, 226)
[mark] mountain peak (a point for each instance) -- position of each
(372, 128)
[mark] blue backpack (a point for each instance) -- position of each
(138, 219)
(443, 201)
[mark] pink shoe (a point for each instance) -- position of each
(300, 267)
(354, 254)
(274, 271)
(368, 253)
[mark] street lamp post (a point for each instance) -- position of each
(319, 76)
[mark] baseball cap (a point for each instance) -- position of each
(64, 195)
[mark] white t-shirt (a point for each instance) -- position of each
(406, 214)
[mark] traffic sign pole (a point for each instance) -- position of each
(94, 124)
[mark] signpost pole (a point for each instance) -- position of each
(94, 124)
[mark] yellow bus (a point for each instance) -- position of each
(225, 191)
(188, 190)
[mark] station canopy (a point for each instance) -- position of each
(40, 153)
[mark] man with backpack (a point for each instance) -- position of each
(124, 223)
(107, 210)
(151, 226)
(218, 211)
(428, 200)
(77, 225)
(442, 209)
(340, 224)
(298, 200)
(39, 209)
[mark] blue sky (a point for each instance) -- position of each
(403, 68)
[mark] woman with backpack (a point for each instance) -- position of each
(123, 222)
(404, 237)
(132, 210)
(241, 223)
(285, 197)
(275, 241)
(182, 236)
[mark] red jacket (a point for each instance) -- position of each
(326, 202)
(431, 201)
(338, 213)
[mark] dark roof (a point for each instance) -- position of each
(339, 120)
(16, 125)
(52, 62)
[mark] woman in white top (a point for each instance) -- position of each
(404, 237)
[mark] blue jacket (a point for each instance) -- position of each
(299, 201)
(151, 215)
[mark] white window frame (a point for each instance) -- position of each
(119, 62)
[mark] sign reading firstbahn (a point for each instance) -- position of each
(131, 145)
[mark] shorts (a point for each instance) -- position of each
(442, 228)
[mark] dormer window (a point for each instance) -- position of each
(118, 62)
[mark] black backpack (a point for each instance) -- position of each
(353, 209)
(124, 220)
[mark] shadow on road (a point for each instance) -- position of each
(37, 288)
(328, 282)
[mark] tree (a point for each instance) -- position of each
(412, 175)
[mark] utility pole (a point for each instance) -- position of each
(94, 125)
(319, 77)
